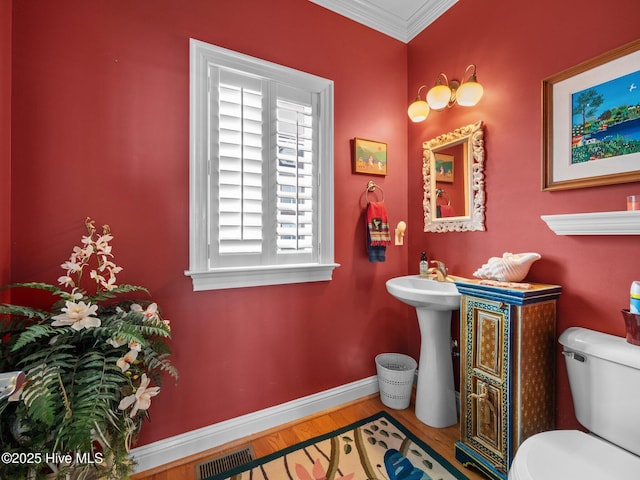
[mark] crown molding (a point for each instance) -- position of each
(426, 15)
(371, 15)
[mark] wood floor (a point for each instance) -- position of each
(440, 439)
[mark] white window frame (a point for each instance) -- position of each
(204, 275)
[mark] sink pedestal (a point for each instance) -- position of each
(435, 393)
(433, 301)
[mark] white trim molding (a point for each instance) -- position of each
(173, 448)
(599, 223)
(401, 26)
(264, 260)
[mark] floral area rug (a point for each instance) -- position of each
(375, 448)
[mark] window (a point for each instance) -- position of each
(261, 172)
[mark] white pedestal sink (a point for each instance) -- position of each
(434, 301)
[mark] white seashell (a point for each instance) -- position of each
(508, 268)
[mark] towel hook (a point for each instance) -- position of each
(371, 186)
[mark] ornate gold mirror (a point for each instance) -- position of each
(453, 172)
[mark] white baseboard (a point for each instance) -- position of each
(173, 448)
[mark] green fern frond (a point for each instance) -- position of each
(61, 355)
(35, 285)
(27, 312)
(153, 330)
(42, 395)
(32, 334)
(10, 330)
(96, 336)
(124, 288)
(130, 328)
(95, 392)
(159, 363)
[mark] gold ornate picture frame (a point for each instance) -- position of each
(591, 122)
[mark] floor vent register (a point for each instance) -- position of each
(222, 463)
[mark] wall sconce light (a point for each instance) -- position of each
(447, 94)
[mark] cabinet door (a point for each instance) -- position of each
(485, 378)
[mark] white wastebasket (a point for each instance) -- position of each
(395, 379)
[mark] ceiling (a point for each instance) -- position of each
(400, 19)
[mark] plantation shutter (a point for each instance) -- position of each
(295, 173)
(263, 172)
(240, 164)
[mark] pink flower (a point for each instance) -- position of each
(77, 315)
(141, 399)
(151, 312)
(125, 362)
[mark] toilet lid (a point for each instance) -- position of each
(567, 454)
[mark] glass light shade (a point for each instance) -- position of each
(438, 97)
(469, 93)
(418, 111)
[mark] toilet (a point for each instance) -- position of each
(604, 376)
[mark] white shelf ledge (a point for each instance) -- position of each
(598, 223)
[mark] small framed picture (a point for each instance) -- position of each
(369, 157)
(444, 167)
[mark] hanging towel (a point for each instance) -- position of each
(447, 211)
(378, 236)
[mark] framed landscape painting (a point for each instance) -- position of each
(444, 167)
(591, 122)
(369, 157)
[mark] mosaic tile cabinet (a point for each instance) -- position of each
(507, 380)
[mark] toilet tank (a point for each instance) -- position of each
(604, 375)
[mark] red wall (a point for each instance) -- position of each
(101, 129)
(515, 48)
(5, 143)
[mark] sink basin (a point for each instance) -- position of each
(433, 301)
(425, 292)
